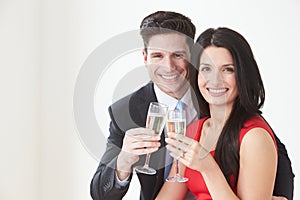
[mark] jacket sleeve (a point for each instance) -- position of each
(284, 182)
(103, 182)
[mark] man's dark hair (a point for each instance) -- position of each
(162, 22)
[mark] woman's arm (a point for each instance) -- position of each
(258, 164)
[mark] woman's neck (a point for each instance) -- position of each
(219, 114)
(213, 126)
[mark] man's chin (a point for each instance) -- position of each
(173, 91)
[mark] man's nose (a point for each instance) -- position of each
(169, 63)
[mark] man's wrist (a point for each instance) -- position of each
(123, 168)
(120, 183)
(122, 175)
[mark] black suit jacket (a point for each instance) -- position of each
(284, 182)
(129, 112)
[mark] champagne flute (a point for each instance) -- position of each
(156, 118)
(176, 122)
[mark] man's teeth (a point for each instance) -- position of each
(217, 90)
(169, 77)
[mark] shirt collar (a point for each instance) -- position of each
(171, 102)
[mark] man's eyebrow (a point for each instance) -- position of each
(155, 52)
(181, 51)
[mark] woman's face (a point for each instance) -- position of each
(216, 78)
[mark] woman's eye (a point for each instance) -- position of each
(228, 70)
(204, 69)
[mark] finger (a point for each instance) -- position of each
(178, 144)
(143, 137)
(175, 155)
(186, 158)
(145, 144)
(143, 151)
(174, 152)
(179, 137)
(139, 130)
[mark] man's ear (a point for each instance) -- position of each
(145, 56)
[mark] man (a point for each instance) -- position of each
(168, 40)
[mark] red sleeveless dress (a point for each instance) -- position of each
(196, 182)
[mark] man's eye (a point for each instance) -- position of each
(156, 56)
(179, 55)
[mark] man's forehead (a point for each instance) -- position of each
(168, 38)
(167, 44)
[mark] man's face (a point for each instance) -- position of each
(167, 60)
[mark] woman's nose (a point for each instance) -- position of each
(216, 77)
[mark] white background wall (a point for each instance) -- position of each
(43, 45)
(19, 100)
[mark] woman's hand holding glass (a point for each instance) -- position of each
(176, 123)
(188, 151)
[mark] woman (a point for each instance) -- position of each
(231, 152)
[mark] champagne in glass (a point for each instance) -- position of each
(176, 126)
(156, 120)
(176, 122)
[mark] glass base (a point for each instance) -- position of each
(145, 170)
(177, 178)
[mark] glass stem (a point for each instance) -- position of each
(177, 167)
(147, 160)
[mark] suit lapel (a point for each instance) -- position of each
(139, 103)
